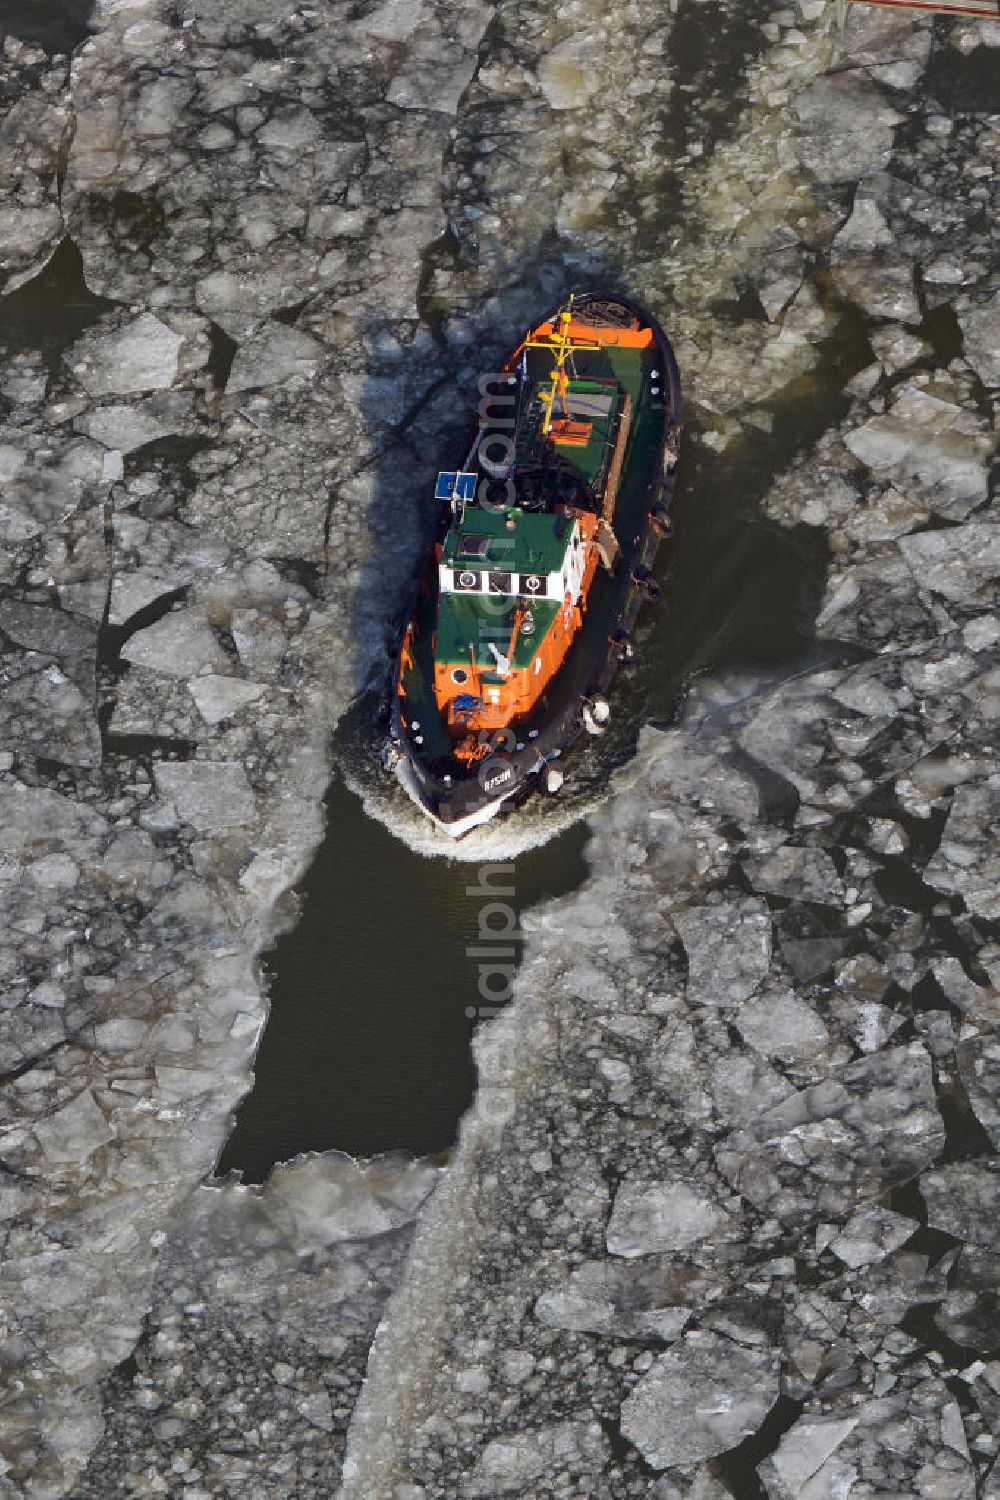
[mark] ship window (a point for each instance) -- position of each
(459, 676)
(538, 665)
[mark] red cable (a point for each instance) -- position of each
(940, 6)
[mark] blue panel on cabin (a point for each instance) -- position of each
(455, 485)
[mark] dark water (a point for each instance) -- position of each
(55, 25)
(965, 85)
(50, 312)
(368, 1044)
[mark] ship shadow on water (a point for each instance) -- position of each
(374, 994)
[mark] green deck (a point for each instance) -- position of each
(589, 461)
(477, 619)
(531, 545)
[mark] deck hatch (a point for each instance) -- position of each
(473, 546)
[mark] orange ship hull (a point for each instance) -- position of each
(513, 700)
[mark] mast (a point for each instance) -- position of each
(561, 345)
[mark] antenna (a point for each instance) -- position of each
(561, 343)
